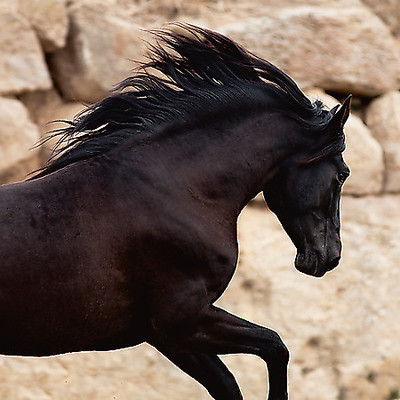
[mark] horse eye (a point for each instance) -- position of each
(342, 176)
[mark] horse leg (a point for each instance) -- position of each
(208, 370)
(215, 331)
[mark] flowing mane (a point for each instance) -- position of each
(191, 72)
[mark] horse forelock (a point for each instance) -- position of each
(190, 72)
(336, 145)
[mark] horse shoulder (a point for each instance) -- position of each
(186, 243)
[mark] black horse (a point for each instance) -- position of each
(129, 235)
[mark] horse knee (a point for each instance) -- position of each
(284, 353)
(275, 349)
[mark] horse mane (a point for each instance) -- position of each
(190, 72)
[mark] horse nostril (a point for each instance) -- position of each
(333, 263)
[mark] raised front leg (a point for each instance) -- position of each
(215, 331)
(208, 370)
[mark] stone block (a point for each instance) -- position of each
(22, 64)
(344, 50)
(48, 18)
(383, 119)
(17, 136)
(99, 52)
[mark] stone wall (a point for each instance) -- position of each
(342, 330)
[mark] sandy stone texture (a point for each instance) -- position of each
(17, 135)
(350, 51)
(22, 63)
(383, 118)
(389, 11)
(48, 18)
(99, 52)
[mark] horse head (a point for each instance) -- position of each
(305, 196)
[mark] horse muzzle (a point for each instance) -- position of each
(314, 264)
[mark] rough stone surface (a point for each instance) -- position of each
(98, 52)
(213, 13)
(49, 19)
(17, 135)
(365, 157)
(363, 153)
(383, 119)
(342, 330)
(22, 64)
(347, 51)
(389, 11)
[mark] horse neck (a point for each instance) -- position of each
(227, 164)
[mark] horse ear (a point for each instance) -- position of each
(334, 109)
(340, 117)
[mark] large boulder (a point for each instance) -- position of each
(383, 119)
(99, 52)
(363, 152)
(22, 63)
(17, 136)
(342, 50)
